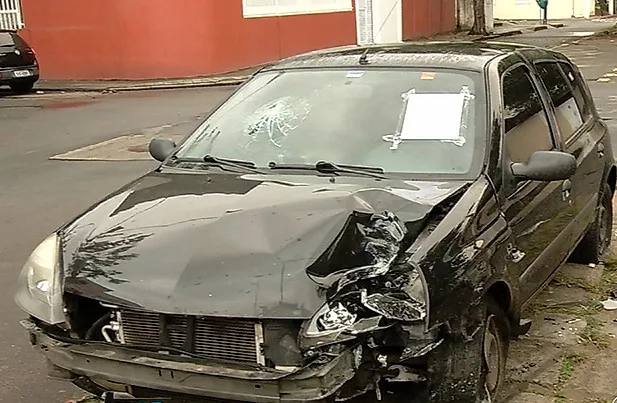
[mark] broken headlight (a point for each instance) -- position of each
(39, 288)
(368, 303)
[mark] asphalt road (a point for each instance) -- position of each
(37, 194)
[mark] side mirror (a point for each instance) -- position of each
(546, 166)
(160, 149)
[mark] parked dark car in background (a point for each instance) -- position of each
(351, 222)
(19, 68)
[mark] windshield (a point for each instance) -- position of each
(404, 121)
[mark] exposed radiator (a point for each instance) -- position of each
(233, 340)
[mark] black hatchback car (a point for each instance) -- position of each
(19, 68)
(350, 222)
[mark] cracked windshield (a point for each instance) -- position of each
(403, 121)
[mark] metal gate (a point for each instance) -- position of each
(10, 15)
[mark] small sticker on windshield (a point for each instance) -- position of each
(354, 74)
(427, 76)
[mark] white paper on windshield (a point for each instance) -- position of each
(433, 117)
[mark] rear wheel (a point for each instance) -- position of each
(472, 371)
(24, 87)
(598, 237)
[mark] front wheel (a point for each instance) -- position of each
(472, 370)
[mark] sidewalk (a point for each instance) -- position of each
(502, 29)
(234, 78)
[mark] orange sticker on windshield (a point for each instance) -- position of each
(427, 76)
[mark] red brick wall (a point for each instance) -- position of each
(139, 39)
(428, 17)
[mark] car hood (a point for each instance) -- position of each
(230, 245)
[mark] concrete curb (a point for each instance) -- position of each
(499, 35)
(111, 86)
(520, 31)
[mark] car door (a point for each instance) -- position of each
(533, 209)
(582, 137)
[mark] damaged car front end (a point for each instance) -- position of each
(370, 331)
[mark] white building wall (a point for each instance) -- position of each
(379, 21)
(529, 10)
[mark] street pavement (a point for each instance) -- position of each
(38, 194)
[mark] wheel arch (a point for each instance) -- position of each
(501, 292)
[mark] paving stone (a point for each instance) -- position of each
(556, 296)
(530, 398)
(558, 329)
(590, 275)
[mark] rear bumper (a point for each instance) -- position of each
(9, 75)
(117, 364)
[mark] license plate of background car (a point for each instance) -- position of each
(22, 73)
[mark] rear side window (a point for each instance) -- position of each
(525, 121)
(6, 39)
(567, 112)
(578, 88)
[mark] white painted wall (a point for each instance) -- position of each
(379, 21)
(529, 10)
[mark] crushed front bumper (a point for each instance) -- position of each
(174, 375)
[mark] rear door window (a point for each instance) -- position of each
(525, 119)
(578, 87)
(567, 112)
(6, 39)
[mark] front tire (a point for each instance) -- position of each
(472, 370)
(597, 239)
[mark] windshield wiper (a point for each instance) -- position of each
(226, 162)
(220, 162)
(331, 168)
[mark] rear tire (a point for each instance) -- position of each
(22, 87)
(597, 239)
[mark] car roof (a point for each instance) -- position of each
(466, 55)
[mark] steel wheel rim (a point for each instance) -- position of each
(492, 355)
(604, 228)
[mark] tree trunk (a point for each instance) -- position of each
(479, 18)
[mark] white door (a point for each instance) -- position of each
(379, 21)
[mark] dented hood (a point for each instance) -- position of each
(230, 245)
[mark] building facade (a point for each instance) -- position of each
(142, 39)
(529, 9)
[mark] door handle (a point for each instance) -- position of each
(566, 188)
(601, 150)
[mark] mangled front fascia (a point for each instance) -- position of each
(371, 297)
